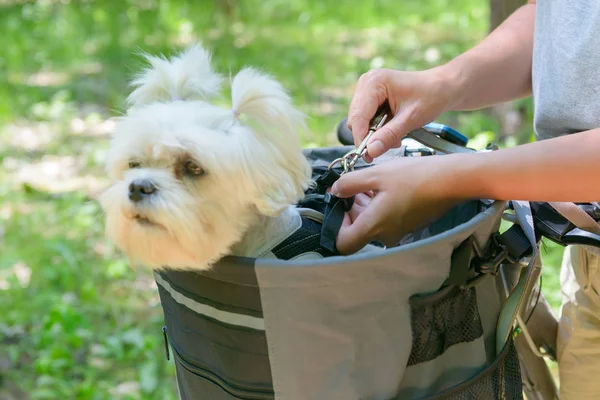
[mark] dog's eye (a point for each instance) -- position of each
(134, 164)
(193, 169)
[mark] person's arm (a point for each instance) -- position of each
(559, 169)
(496, 70)
(412, 191)
(499, 68)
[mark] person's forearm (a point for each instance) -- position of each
(560, 169)
(498, 69)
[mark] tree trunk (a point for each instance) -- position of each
(510, 119)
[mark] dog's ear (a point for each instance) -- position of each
(264, 106)
(187, 76)
(264, 101)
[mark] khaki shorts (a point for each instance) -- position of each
(579, 326)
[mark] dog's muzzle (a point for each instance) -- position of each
(141, 189)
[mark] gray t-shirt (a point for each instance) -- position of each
(566, 67)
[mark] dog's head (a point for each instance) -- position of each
(189, 177)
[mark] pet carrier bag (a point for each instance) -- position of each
(429, 318)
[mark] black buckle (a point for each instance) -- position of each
(326, 181)
(491, 264)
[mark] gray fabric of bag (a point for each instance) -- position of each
(344, 325)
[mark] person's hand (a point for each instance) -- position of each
(415, 99)
(393, 199)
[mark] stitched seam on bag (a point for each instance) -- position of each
(218, 305)
(183, 362)
(250, 321)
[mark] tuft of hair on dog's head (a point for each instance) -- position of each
(187, 76)
(189, 177)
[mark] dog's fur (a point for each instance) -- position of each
(222, 176)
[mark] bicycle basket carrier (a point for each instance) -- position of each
(430, 318)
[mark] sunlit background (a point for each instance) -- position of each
(75, 321)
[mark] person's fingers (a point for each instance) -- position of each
(356, 182)
(391, 134)
(360, 232)
(398, 144)
(347, 221)
(360, 124)
(354, 212)
(361, 202)
(395, 144)
(371, 91)
(367, 159)
(362, 199)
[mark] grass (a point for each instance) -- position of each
(76, 321)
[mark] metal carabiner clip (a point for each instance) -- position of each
(348, 160)
(361, 150)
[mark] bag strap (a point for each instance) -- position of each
(577, 216)
(524, 287)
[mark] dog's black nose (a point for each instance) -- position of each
(140, 189)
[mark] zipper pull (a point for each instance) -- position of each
(164, 331)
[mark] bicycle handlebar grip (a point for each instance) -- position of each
(344, 134)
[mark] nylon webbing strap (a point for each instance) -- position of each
(576, 216)
(333, 217)
(460, 263)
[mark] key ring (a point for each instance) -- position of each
(348, 160)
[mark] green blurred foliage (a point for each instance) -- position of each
(76, 322)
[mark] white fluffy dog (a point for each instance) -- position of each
(192, 181)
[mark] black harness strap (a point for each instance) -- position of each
(335, 209)
(332, 207)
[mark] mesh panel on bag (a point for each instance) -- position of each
(500, 381)
(441, 320)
